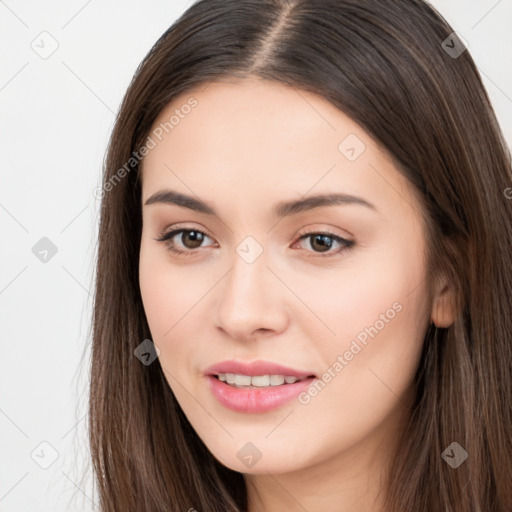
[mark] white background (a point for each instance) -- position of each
(56, 118)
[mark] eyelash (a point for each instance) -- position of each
(166, 237)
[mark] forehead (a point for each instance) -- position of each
(253, 119)
(255, 136)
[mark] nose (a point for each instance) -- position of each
(252, 301)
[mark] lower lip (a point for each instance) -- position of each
(254, 400)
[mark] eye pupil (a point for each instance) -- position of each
(195, 236)
(320, 239)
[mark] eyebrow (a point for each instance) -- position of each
(281, 209)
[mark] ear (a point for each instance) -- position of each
(443, 305)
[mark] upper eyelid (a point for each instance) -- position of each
(301, 232)
(178, 230)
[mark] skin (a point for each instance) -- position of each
(247, 145)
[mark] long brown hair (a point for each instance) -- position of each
(397, 69)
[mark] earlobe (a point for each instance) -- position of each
(443, 307)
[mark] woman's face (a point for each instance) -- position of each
(335, 289)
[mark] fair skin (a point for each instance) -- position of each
(247, 145)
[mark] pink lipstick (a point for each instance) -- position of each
(255, 387)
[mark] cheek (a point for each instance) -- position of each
(162, 292)
(168, 291)
(379, 311)
(174, 299)
(373, 371)
(157, 296)
(366, 289)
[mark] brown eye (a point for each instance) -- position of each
(324, 242)
(185, 244)
(192, 239)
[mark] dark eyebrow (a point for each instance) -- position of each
(282, 209)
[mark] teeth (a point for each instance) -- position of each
(257, 381)
(276, 380)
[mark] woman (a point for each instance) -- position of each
(304, 268)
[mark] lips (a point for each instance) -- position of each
(256, 400)
(260, 398)
(255, 368)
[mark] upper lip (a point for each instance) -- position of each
(255, 368)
